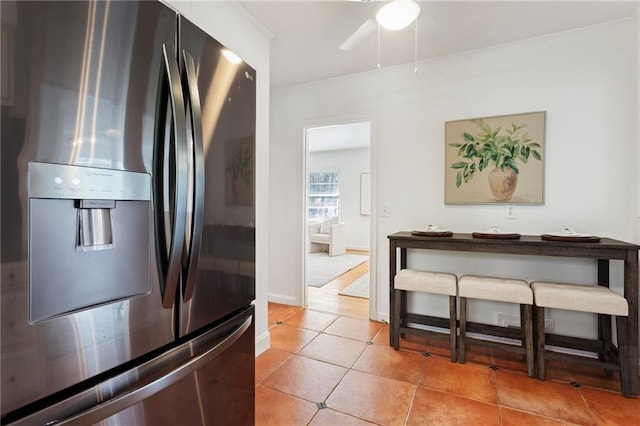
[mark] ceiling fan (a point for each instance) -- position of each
(393, 15)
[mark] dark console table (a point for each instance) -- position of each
(603, 251)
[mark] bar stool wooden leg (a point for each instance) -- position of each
(396, 320)
(463, 327)
(527, 325)
(624, 356)
(452, 326)
(403, 309)
(523, 332)
(540, 341)
(604, 327)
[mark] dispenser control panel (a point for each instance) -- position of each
(48, 180)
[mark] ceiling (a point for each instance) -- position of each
(306, 35)
(340, 136)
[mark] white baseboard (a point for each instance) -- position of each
(263, 342)
(359, 248)
(284, 299)
(382, 317)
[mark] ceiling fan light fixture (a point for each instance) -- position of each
(398, 14)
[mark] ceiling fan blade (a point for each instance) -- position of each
(360, 34)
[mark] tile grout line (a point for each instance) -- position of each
(594, 417)
(415, 390)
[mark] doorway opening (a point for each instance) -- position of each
(337, 218)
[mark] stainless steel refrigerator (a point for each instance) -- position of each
(128, 237)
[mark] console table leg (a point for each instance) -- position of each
(393, 327)
(631, 294)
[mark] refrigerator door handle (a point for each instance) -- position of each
(137, 384)
(190, 83)
(169, 252)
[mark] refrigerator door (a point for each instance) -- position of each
(222, 279)
(79, 88)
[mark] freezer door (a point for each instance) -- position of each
(221, 224)
(222, 392)
(208, 380)
(79, 88)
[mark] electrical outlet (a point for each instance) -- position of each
(513, 321)
(385, 211)
(510, 213)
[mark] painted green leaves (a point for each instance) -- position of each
(499, 148)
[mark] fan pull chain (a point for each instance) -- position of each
(415, 49)
(378, 45)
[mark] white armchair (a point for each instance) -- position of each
(329, 235)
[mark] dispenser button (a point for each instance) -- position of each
(58, 180)
(97, 204)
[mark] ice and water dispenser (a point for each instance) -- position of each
(89, 237)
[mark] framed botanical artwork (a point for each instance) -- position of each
(495, 160)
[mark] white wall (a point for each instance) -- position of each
(228, 27)
(591, 180)
(350, 163)
(636, 89)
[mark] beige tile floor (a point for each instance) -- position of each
(331, 369)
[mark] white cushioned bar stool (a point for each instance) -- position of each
(586, 298)
(499, 290)
(425, 282)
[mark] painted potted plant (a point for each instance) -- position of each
(239, 167)
(502, 150)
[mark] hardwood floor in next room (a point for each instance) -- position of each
(328, 299)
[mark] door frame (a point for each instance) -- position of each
(370, 117)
